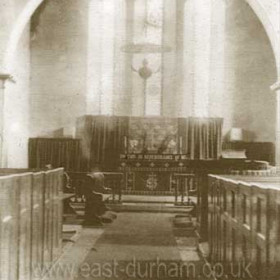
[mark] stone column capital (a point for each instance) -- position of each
(3, 78)
(276, 86)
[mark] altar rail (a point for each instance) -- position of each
(185, 186)
(113, 180)
(244, 223)
(31, 222)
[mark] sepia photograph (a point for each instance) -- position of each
(140, 139)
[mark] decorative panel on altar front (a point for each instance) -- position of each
(153, 181)
(153, 135)
(151, 173)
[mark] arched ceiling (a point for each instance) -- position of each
(268, 12)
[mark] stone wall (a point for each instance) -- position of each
(59, 65)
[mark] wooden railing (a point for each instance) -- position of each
(113, 180)
(185, 186)
(244, 223)
(31, 223)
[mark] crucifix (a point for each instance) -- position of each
(145, 72)
(147, 41)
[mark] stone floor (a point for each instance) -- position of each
(135, 246)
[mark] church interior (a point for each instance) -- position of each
(139, 139)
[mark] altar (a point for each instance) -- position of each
(105, 138)
(149, 151)
(150, 173)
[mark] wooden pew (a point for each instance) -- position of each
(9, 209)
(24, 187)
(37, 254)
(243, 223)
(31, 223)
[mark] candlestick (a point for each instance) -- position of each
(180, 144)
(125, 144)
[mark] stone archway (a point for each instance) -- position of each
(272, 28)
(17, 31)
(8, 57)
(268, 14)
(32, 5)
(270, 23)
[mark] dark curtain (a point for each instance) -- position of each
(103, 138)
(201, 137)
(58, 152)
(107, 140)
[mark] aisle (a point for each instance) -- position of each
(136, 246)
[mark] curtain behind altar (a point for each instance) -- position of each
(103, 140)
(107, 141)
(103, 137)
(59, 152)
(201, 137)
